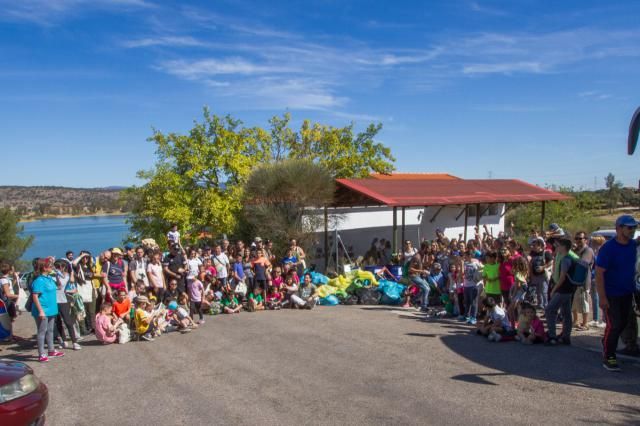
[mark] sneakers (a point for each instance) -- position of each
(147, 337)
(592, 323)
(43, 358)
(76, 347)
(494, 337)
(601, 325)
(55, 354)
(471, 321)
(611, 364)
(62, 344)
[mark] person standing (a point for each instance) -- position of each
(45, 308)
(561, 295)
(615, 282)
(582, 296)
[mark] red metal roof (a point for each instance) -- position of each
(413, 176)
(440, 192)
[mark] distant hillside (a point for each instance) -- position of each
(42, 201)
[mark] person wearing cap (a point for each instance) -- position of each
(115, 271)
(142, 319)
(615, 283)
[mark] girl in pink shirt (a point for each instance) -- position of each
(196, 290)
(106, 330)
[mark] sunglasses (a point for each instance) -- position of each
(579, 238)
(630, 227)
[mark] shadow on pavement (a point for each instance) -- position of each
(564, 365)
(478, 378)
(421, 334)
(631, 416)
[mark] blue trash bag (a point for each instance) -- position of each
(391, 292)
(330, 300)
(318, 279)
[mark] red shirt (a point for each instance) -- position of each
(505, 274)
(120, 308)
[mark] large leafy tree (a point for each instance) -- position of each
(277, 196)
(12, 245)
(198, 179)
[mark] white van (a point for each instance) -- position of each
(610, 233)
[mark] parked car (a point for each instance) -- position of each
(610, 233)
(23, 397)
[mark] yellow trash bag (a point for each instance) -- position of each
(366, 275)
(326, 290)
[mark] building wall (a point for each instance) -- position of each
(358, 226)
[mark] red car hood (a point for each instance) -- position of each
(10, 371)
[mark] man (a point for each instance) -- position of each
(615, 283)
(561, 295)
(138, 268)
(582, 296)
(174, 265)
(220, 261)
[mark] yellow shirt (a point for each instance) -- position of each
(97, 271)
(141, 321)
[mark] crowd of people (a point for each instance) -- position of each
(506, 290)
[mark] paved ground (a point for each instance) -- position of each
(333, 365)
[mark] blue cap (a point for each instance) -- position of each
(129, 246)
(626, 220)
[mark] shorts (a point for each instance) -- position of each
(580, 301)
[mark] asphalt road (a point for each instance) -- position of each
(332, 365)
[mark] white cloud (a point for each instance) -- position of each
(176, 41)
(480, 8)
(193, 70)
(504, 68)
(595, 95)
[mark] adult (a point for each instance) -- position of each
(45, 308)
(540, 261)
(84, 271)
(193, 265)
(298, 252)
(561, 295)
(596, 243)
(175, 265)
(615, 283)
(221, 262)
(115, 271)
(408, 252)
(416, 272)
(261, 269)
(156, 275)
(65, 286)
(138, 266)
(582, 296)
(308, 292)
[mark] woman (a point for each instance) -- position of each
(247, 266)
(45, 308)
(596, 243)
(156, 275)
(65, 283)
(115, 272)
(416, 271)
(84, 275)
(408, 252)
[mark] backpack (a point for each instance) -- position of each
(29, 279)
(578, 272)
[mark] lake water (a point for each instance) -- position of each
(53, 237)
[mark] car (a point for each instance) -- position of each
(610, 233)
(23, 397)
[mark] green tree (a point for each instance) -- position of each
(613, 190)
(277, 196)
(12, 245)
(198, 179)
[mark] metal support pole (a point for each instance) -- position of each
(478, 217)
(326, 239)
(394, 243)
(466, 221)
(403, 226)
(542, 214)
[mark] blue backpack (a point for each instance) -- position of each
(578, 272)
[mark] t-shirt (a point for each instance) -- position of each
(175, 263)
(196, 288)
(63, 279)
(491, 276)
(305, 291)
(142, 321)
(257, 297)
(290, 259)
(471, 269)
(139, 269)
(566, 287)
(182, 313)
(274, 297)
(120, 308)
(103, 329)
(538, 262)
(173, 236)
(505, 272)
(220, 262)
(556, 265)
(618, 261)
(115, 273)
(238, 268)
(499, 316)
(194, 267)
(229, 302)
(45, 287)
(588, 256)
(155, 272)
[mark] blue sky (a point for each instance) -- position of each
(537, 90)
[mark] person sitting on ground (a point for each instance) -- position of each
(289, 288)
(172, 292)
(230, 303)
(106, 327)
(121, 307)
(274, 298)
(256, 302)
(181, 317)
(308, 292)
(530, 327)
(137, 290)
(143, 320)
(496, 324)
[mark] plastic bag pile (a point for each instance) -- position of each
(358, 287)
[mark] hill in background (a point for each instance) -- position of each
(41, 201)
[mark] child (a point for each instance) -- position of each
(496, 323)
(519, 289)
(289, 288)
(181, 317)
(106, 328)
(530, 327)
(256, 302)
(196, 291)
(122, 306)
(173, 236)
(490, 275)
(138, 290)
(274, 298)
(411, 293)
(143, 320)
(230, 303)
